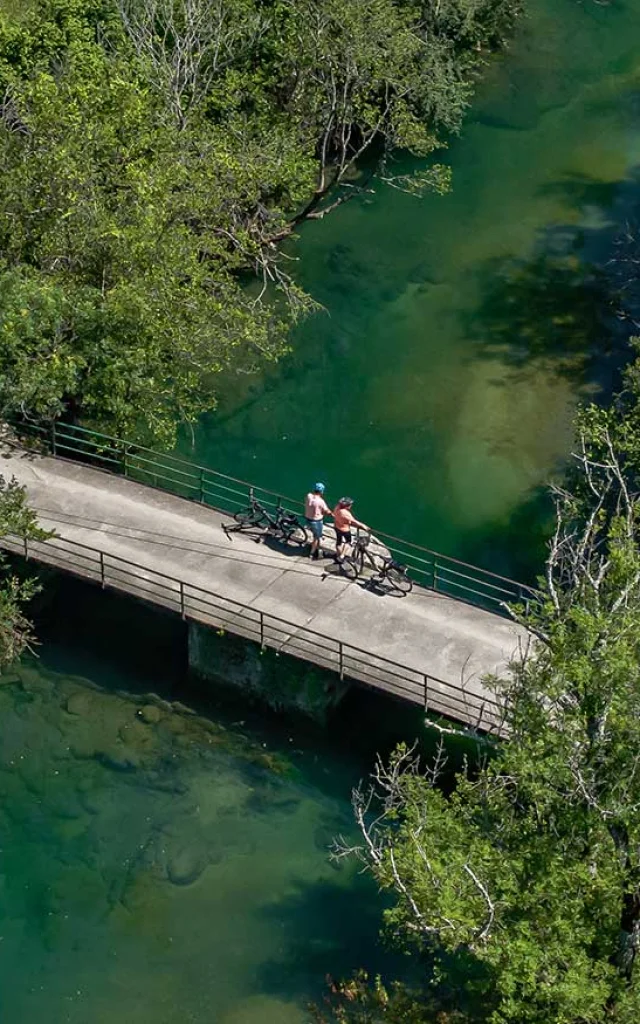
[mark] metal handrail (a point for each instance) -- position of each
(430, 569)
(198, 604)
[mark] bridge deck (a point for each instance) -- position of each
(174, 553)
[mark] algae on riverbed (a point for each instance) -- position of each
(157, 864)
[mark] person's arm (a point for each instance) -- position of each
(361, 526)
(327, 510)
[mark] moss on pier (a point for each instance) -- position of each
(281, 681)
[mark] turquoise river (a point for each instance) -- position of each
(167, 863)
(438, 385)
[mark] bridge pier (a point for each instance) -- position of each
(280, 680)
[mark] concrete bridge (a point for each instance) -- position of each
(427, 648)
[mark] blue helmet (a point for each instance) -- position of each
(318, 488)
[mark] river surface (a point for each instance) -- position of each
(163, 866)
(439, 385)
(166, 863)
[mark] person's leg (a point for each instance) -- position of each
(311, 535)
(346, 543)
(320, 530)
(340, 545)
(316, 534)
(337, 532)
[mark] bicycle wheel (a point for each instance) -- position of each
(349, 567)
(248, 517)
(295, 534)
(397, 576)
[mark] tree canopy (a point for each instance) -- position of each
(520, 889)
(17, 519)
(156, 153)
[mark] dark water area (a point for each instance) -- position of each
(164, 861)
(439, 384)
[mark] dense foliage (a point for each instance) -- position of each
(156, 152)
(520, 891)
(17, 519)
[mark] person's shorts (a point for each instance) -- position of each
(315, 525)
(343, 536)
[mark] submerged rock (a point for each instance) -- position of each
(79, 704)
(119, 758)
(9, 678)
(177, 705)
(185, 864)
(150, 714)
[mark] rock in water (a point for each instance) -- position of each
(150, 713)
(185, 864)
(78, 704)
(119, 758)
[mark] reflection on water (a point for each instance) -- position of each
(459, 332)
(160, 866)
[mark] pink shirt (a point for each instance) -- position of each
(315, 507)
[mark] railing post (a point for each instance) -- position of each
(54, 450)
(182, 608)
(102, 583)
(341, 659)
(426, 692)
(435, 573)
(125, 454)
(26, 549)
(262, 631)
(202, 485)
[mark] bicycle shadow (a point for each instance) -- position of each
(379, 588)
(259, 535)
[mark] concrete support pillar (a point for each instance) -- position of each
(281, 681)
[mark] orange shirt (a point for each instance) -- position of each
(342, 518)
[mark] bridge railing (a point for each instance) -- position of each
(474, 708)
(428, 568)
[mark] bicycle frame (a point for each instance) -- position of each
(360, 553)
(382, 566)
(257, 515)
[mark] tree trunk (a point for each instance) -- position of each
(629, 938)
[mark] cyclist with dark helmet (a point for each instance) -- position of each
(344, 519)
(315, 509)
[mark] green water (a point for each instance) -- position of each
(172, 867)
(169, 867)
(439, 384)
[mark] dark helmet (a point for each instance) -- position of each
(346, 502)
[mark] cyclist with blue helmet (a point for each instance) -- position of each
(315, 509)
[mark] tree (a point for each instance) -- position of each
(18, 520)
(156, 152)
(528, 874)
(361, 1001)
(189, 44)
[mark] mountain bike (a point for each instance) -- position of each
(386, 572)
(282, 525)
